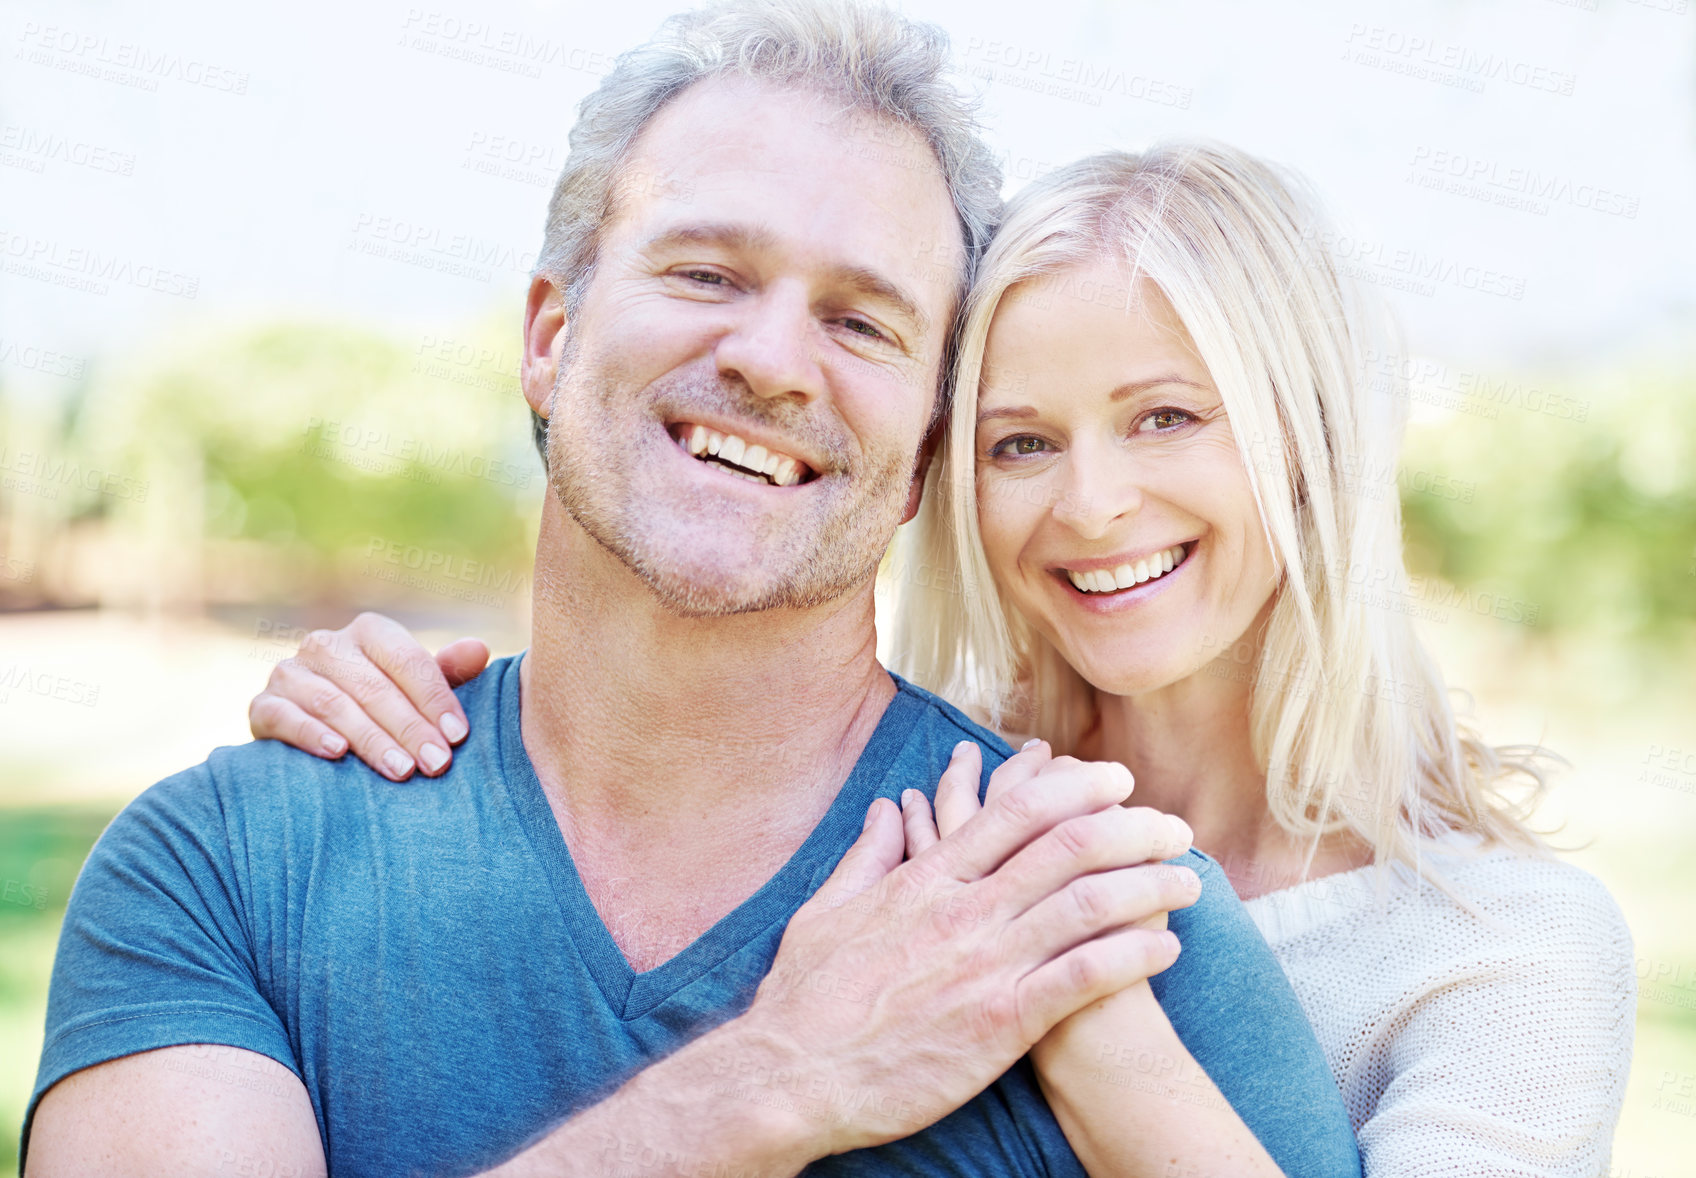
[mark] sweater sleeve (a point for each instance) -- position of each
(1513, 1059)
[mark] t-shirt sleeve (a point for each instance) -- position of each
(155, 949)
(1231, 1005)
(1549, 991)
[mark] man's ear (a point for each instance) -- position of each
(544, 343)
(927, 451)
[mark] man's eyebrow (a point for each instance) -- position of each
(876, 286)
(1119, 394)
(861, 279)
(749, 237)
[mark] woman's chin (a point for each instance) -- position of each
(1132, 673)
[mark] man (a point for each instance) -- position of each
(589, 948)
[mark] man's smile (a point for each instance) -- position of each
(736, 455)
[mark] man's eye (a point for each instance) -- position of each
(861, 327)
(711, 278)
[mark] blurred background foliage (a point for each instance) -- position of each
(265, 464)
(1575, 494)
(1594, 520)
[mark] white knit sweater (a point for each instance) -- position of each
(1467, 1047)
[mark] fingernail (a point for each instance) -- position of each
(1171, 939)
(453, 728)
(1031, 743)
(333, 744)
(433, 756)
(867, 824)
(397, 763)
(957, 748)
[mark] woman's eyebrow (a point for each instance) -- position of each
(1118, 394)
(1138, 386)
(1007, 411)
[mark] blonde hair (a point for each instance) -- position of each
(1350, 719)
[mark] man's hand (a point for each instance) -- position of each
(903, 989)
(371, 687)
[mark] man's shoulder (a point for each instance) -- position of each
(266, 786)
(251, 793)
(946, 723)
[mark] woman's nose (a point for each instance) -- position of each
(1099, 487)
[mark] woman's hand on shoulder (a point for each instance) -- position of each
(370, 687)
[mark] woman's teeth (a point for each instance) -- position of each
(1126, 575)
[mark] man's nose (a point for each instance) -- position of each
(771, 345)
(1098, 487)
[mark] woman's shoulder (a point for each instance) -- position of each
(1460, 901)
(1533, 892)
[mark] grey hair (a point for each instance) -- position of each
(873, 58)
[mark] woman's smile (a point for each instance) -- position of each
(1116, 583)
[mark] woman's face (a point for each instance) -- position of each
(1115, 511)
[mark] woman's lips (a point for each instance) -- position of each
(1143, 581)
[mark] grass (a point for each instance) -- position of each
(41, 849)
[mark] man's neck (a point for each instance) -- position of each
(647, 728)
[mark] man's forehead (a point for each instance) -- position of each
(737, 107)
(753, 132)
(791, 167)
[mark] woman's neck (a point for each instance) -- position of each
(1190, 748)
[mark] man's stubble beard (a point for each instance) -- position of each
(826, 553)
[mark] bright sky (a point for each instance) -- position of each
(1528, 167)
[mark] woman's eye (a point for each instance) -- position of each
(709, 277)
(1164, 419)
(1024, 444)
(861, 327)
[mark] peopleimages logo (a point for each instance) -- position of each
(1433, 60)
(509, 50)
(33, 149)
(36, 472)
(1531, 190)
(442, 573)
(47, 685)
(126, 62)
(86, 268)
(431, 247)
(1409, 269)
(381, 451)
(1075, 78)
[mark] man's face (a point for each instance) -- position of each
(773, 292)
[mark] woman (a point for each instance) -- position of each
(1143, 508)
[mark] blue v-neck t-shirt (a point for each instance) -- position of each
(425, 959)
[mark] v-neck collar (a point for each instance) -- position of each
(634, 994)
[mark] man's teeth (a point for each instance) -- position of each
(750, 461)
(1126, 575)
